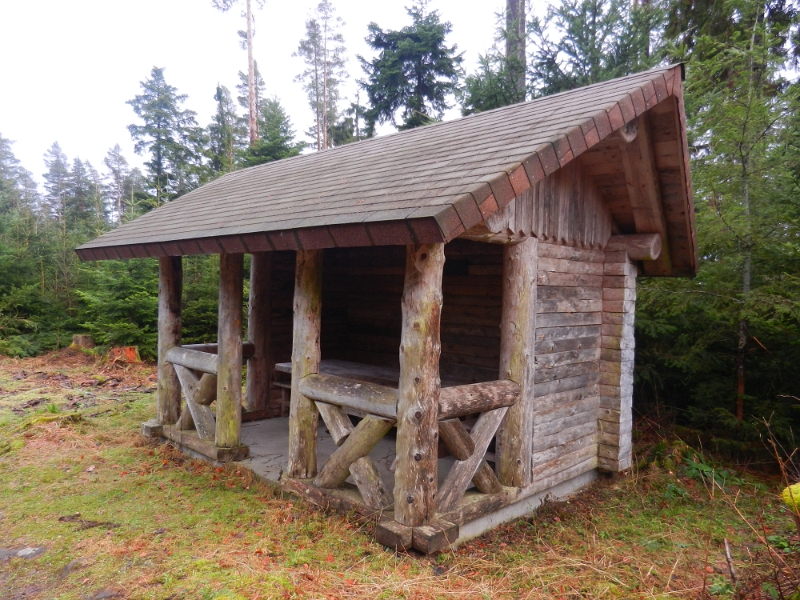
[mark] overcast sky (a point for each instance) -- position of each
(67, 68)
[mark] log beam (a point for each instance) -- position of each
(639, 246)
(193, 359)
(202, 417)
(381, 400)
(415, 484)
(229, 359)
(303, 414)
(259, 320)
(170, 286)
(514, 447)
(644, 191)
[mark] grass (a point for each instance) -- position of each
(121, 515)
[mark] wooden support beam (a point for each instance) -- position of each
(639, 246)
(259, 332)
(514, 447)
(303, 414)
(248, 349)
(358, 444)
(462, 447)
(644, 191)
(381, 400)
(229, 359)
(193, 359)
(170, 286)
(364, 471)
(415, 483)
(201, 414)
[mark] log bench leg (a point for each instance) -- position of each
(229, 340)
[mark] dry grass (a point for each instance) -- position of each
(164, 526)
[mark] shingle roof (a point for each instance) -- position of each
(423, 185)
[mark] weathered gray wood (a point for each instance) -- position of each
(517, 327)
(456, 401)
(201, 415)
(351, 393)
(462, 447)
(462, 472)
(170, 286)
(206, 391)
(259, 324)
(419, 385)
(193, 359)
(369, 482)
(336, 420)
(639, 246)
(303, 414)
(462, 400)
(247, 348)
(358, 444)
(229, 338)
(208, 448)
(364, 472)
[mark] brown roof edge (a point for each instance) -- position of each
(424, 230)
(566, 147)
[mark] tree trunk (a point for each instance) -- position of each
(229, 346)
(170, 285)
(515, 45)
(251, 77)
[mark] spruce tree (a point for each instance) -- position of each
(414, 72)
(277, 136)
(225, 136)
(580, 42)
(56, 183)
(117, 172)
(169, 134)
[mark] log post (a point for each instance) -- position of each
(514, 443)
(170, 289)
(418, 390)
(617, 344)
(303, 413)
(259, 324)
(229, 358)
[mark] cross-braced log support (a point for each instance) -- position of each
(229, 340)
(514, 444)
(170, 283)
(616, 362)
(303, 413)
(259, 320)
(418, 391)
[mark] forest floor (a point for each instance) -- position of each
(90, 509)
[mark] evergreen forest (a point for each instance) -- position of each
(717, 354)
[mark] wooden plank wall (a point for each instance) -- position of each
(564, 208)
(568, 340)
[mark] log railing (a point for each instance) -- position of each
(380, 400)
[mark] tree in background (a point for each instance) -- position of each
(118, 172)
(350, 126)
(56, 183)
(226, 138)
(581, 42)
(247, 37)
(501, 77)
(277, 136)
(169, 134)
(243, 93)
(414, 72)
(322, 51)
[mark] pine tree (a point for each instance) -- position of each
(414, 72)
(169, 134)
(322, 50)
(581, 42)
(277, 136)
(260, 88)
(350, 127)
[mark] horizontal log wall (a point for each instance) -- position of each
(361, 308)
(568, 340)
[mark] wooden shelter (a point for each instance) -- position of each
(456, 302)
